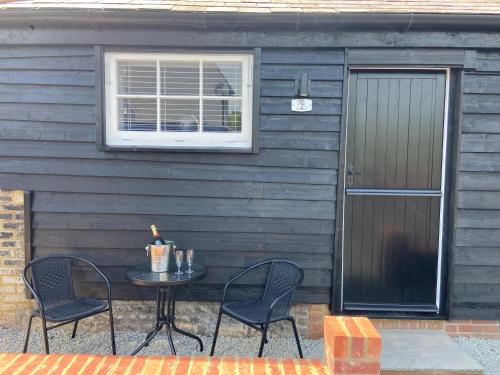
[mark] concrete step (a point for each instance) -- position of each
(424, 352)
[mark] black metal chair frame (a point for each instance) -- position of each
(263, 326)
(41, 309)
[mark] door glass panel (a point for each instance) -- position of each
(391, 249)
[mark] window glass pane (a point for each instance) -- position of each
(222, 115)
(180, 78)
(222, 78)
(180, 115)
(136, 77)
(136, 114)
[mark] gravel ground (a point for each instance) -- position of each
(11, 340)
(484, 351)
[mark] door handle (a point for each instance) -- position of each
(351, 172)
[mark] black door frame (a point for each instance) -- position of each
(454, 75)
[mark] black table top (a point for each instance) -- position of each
(142, 275)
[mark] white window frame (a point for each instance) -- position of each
(172, 139)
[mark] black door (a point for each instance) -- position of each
(393, 195)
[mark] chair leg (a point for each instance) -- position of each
(263, 339)
(75, 327)
(45, 336)
(112, 328)
(296, 337)
(25, 349)
(216, 333)
(262, 328)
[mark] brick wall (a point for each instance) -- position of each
(200, 318)
(352, 345)
(13, 303)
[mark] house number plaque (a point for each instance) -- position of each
(302, 105)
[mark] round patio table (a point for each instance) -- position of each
(165, 284)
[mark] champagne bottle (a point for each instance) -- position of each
(156, 235)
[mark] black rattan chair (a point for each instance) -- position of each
(51, 283)
(283, 278)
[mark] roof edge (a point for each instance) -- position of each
(249, 21)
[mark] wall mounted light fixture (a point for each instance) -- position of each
(302, 86)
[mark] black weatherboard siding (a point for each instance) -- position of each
(477, 252)
(234, 209)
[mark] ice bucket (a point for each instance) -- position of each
(159, 256)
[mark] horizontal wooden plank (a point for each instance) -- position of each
(37, 77)
(475, 310)
(315, 72)
(481, 219)
(221, 241)
(183, 171)
(481, 123)
(286, 88)
(231, 259)
(477, 274)
(487, 200)
(240, 173)
(481, 143)
(477, 237)
(479, 181)
(216, 275)
(481, 84)
(283, 106)
(487, 103)
(59, 63)
(477, 256)
(28, 52)
(394, 56)
(46, 131)
(161, 187)
(479, 162)
(47, 94)
(131, 204)
(488, 62)
(476, 293)
(151, 35)
(303, 56)
(87, 150)
(326, 141)
(198, 292)
(48, 112)
(300, 123)
(170, 223)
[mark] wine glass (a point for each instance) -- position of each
(179, 255)
(189, 259)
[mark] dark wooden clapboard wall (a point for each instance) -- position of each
(477, 252)
(234, 209)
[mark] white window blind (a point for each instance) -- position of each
(178, 100)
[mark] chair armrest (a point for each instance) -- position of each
(103, 276)
(239, 276)
(32, 291)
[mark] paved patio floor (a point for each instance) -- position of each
(419, 350)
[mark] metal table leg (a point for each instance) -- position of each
(150, 336)
(182, 332)
(166, 320)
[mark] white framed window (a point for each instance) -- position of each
(167, 100)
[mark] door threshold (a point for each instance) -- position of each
(394, 308)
